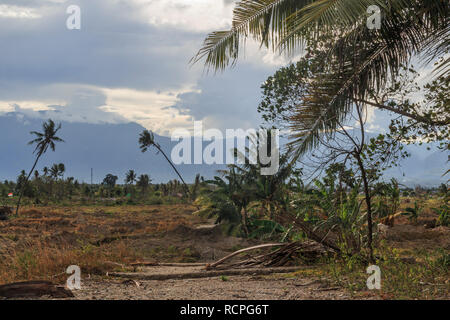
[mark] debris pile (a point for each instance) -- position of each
(286, 254)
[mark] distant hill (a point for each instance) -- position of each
(424, 167)
(113, 148)
(107, 148)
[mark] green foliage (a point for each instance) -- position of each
(443, 260)
(422, 121)
(444, 214)
(110, 180)
(388, 198)
(356, 63)
(46, 188)
(424, 279)
(346, 220)
(283, 91)
(265, 229)
(413, 212)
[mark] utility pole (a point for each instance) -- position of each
(92, 179)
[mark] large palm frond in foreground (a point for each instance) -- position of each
(358, 60)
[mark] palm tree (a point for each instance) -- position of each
(54, 171)
(130, 177)
(146, 140)
(357, 61)
(144, 182)
(43, 141)
(61, 169)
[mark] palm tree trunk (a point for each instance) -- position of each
(26, 181)
(179, 175)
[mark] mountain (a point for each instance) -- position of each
(113, 148)
(107, 148)
(424, 167)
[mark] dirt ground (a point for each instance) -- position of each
(234, 288)
(167, 233)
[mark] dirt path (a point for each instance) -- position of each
(274, 287)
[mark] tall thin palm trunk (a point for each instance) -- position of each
(26, 181)
(174, 168)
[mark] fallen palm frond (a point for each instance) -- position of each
(324, 238)
(304, 250)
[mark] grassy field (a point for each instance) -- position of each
(42, 242)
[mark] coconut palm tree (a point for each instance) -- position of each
(62, 170)
(54, 172)
(144, 182)
(130, 177)
(357, 61)
(45, 139)
(146, 140)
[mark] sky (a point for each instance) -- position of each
(128, 62)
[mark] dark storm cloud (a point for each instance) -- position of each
(117, 48)
(233, 102)
(112, 49)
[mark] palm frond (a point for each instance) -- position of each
(263, 20)
(358, 61)
(357, 64)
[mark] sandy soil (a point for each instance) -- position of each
(275, 287)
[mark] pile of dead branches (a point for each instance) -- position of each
(321, 243)
(286, 254)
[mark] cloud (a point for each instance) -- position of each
(129, 62)
(188, 15)
(223, 102)
(83, 105)
(12, 11)
(148, 108)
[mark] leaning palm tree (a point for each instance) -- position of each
(146, 140)
(357, 61)
(43, 141)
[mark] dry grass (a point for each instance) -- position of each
(37, 261)
(42, 242)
